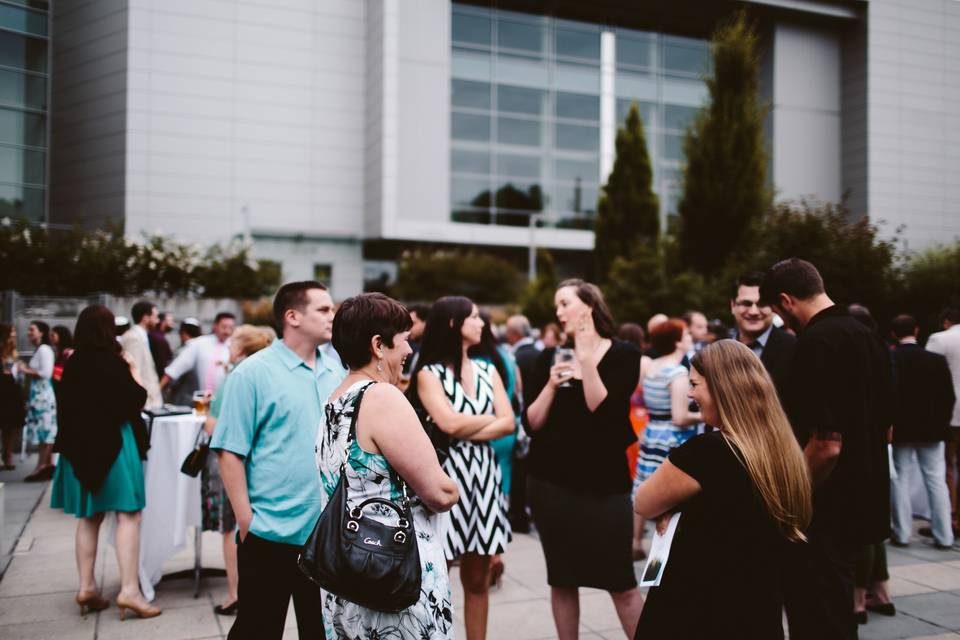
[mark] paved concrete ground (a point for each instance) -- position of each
(19, 500)
(36, 594)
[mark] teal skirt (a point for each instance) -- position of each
(503, 450)
(122, 490)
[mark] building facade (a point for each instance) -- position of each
(335, 133)
(24, 128)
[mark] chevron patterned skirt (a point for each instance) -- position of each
(478, 522)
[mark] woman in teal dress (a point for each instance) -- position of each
(102, 440)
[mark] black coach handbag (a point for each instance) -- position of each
(364, 561)
(196, 460)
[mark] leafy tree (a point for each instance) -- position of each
(856, 262)
(725, 192)
(628, 213)
(537, 300)
(485, 279)
(931, 283)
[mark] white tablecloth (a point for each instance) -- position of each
(173, 498)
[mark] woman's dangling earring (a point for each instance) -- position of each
(380, 365)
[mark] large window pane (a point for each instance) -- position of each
(465, 161)
(23, 90)
(520, 99)
(21, 202)
(578, 44)
(470, 191)
(518, 195)
(21, 52)
(467, 93)
(520, 36)
(685, 55)
(509, 164)
(672, 147)
(22, 165)
(516, 131)
(572, 136)
(467, 126)
(578, 105)
(635, 51)
(574, 198)
(568, 169)
(678, 117)
(468, 29)
(23, 20)
(27, 129)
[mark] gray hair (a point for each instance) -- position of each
(519, 324)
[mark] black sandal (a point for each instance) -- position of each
(229, 610)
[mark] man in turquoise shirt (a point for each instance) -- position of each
(272, 407)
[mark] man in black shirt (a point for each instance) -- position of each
(839, 399)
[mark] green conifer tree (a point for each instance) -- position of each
(725, 181)
(628, 213)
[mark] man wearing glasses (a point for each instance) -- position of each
(754, 328)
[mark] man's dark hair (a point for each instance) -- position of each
(421, 309)
(794, 277)
(362, 317)
(190, 329)
(223, 315)
(141, 309)
(903, 326)
(950, 315)
(749, 279)
(292, 295)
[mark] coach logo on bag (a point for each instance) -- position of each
(375, 543)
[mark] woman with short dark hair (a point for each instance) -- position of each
(386, 446)
(465, 399)
(102, 441)
(579, 484)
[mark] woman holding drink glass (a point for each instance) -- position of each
(579, 484)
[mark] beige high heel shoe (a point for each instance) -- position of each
(91, 601)
(145, 610)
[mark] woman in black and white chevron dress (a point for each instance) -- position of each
(466, 400)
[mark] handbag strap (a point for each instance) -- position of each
(352, 436)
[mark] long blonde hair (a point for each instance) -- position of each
(248, 339)
(752, 420)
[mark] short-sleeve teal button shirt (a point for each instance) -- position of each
(272, 408)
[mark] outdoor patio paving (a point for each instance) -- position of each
(37, 590)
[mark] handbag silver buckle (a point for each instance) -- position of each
(403, 523)
(356, 513)
(400, 537)
(353, 525)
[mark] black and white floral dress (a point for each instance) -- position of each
(478, 522)
(369, 475)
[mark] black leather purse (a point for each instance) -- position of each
(196, 460)
(364, 561)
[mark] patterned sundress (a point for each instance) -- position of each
(369, 475)
(41, 421)
(478, 522)
(661, 436)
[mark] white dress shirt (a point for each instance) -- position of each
(207, 356)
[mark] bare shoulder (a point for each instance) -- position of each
(384, 396)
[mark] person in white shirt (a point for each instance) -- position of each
(41, 422)
(207, 355)
(947, 344)
(136, 342)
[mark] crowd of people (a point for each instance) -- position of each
(786, 445)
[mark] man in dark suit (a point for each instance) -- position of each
(754, 328)
(921, 426)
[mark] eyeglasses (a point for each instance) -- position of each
(746, 305)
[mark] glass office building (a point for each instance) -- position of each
(527, 117)
(24, 92)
